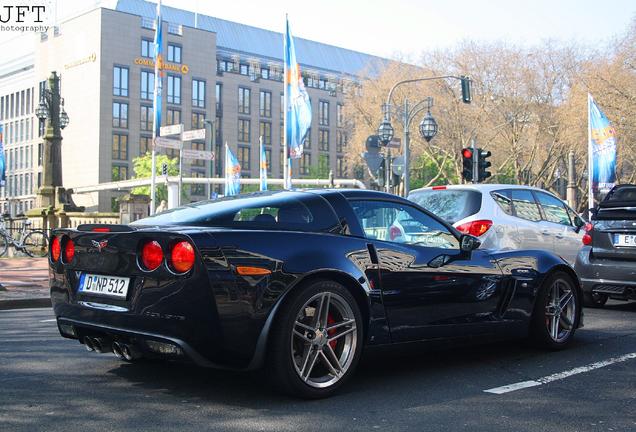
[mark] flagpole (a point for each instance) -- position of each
(260, 161)
(285, 107)
(590, 156)
(153, 166)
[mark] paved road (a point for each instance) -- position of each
(52, 384)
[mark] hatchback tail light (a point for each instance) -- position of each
(182, 257)
(56, 249)
(475, 228)
(69, 250)
(587, 237)
(151, 255)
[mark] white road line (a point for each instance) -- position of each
(560, 375)
(49, 320)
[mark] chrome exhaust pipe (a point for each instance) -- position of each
(129, 352)
(117, 350)
(88, 343)
(100, 344)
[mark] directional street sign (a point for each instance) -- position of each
(395, 143)
(168, 143)
(197, 154)
(171, 130)
(196, 134)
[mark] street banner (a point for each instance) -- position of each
(263, 165)
(191, 135)
(3, 160)
(601, 151)
(232, 173)
(168, 143)
(197, 154)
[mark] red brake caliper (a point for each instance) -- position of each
(330, 321)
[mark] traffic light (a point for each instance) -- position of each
(467, 163)
(466, 96)
(164, 169)
(483, 165)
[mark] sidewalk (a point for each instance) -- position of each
(24, 283)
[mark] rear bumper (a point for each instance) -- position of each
(615, 278)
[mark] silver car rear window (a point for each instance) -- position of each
(452, 205)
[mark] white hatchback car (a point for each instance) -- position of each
(507, 216)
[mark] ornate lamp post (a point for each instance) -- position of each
(51, 109)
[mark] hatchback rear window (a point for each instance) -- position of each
(452, 205)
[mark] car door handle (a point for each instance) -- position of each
(545, 232)
(559, 236)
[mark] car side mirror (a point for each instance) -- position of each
(578, 224)
(468, 243)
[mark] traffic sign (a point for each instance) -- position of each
(395, 143)
(197, 154)
(374, 160)
(398, 166)
(171, 130)
(196, 134)
(168, 143)
(373, 144)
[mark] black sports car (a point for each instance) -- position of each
(298, 282)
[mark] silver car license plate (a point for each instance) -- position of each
(109, 286)
(625, 240)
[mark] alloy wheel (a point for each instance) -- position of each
(560, 310)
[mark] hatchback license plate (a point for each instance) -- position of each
(628, 240)
(111, 286)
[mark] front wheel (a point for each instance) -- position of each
(36, 244)
(316, 341)
(557, 312)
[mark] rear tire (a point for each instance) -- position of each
(315, 349)
(557, 312)
(594, 300)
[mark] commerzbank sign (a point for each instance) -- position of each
(181, 68)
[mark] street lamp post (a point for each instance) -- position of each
(51, 110)
(210, 133)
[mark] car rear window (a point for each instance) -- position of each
(296, 211)
(452, 205)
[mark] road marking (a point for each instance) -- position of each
(49, 320)
(560, 375)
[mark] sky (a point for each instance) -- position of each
(409, 27)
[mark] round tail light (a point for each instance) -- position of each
(56, 249)
(182, 257)
(69, 250)
(151, 255)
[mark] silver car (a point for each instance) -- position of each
(507, 216)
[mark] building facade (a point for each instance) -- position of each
(214, 70)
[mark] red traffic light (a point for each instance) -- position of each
(467, 153)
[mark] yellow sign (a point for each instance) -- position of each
(184, 69)
(90, 59)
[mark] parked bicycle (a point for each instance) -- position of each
(34, 243)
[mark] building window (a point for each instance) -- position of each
(341, 141)
(174, 89)
(120, 172)
(340, 115)
(146, 118)
(268, 159)
(265, 104)
(244, 130)
(265, 73)
(243, 100)
(120, 81)
(219, 98)
(174, 53)
(120, 147)
(341, 167)
(120, 115)
(198, 145)
(197, 120)
(323, 163)
(147, 48)
(265, 130)
(307, 143)
(323, 143)
(198, 93)
(282, 107)
(173, 116)
(197, 189)
(147, 84)
(244, 69)
(324, 113)
(244, 158)
(305, 163)
(145, 145)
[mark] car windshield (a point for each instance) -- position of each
(298, 211)
(451, 205)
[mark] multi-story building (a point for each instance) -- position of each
(214, 70)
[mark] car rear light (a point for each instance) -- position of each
(69, 250)
(587, 237)
(182, 257)
(151, 255)
(439, 188)
(101, 229)
(475, 228)
(56, 249)
(394, 232)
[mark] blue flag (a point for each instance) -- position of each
(263, 166)
(298, 115)
(602, 150)
(3, 163)
(232, 173)
(158, 43)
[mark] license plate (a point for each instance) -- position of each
(110, 286)
(628, 240)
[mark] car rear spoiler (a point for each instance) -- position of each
(105, 228)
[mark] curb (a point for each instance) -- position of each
(28, 303)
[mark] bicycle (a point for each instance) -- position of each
(33, 244)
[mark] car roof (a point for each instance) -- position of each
(358, 193)
(489, 187)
